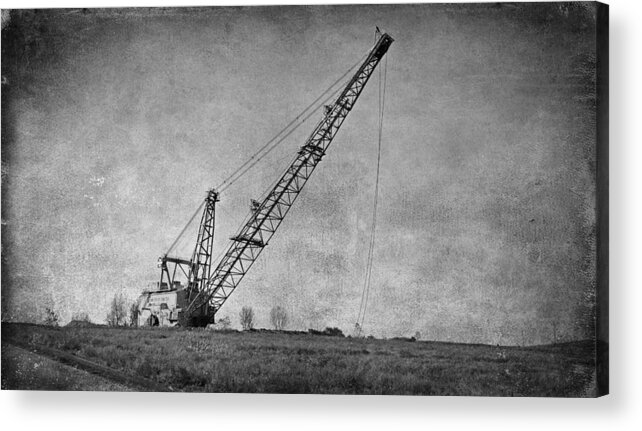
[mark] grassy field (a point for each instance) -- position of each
(200, 360)
(23, 369)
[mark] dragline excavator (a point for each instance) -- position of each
(205, 289)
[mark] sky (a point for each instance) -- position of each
(116, 122)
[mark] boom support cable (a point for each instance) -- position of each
(275, 141)
(284, 133)
(180, 235)
(368, 277)
(240, 172)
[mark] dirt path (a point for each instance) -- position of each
(24, 370)
(26, 367)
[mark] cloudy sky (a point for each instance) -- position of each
(116, 122)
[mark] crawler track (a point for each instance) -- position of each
(139, 383)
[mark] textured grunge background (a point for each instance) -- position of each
(116, 121)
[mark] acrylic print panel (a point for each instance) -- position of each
(449, 239)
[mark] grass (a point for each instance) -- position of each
(24, 370)
(199, 360)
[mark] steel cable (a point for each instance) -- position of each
(368, 277)
(241, 170)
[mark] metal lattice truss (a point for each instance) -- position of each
(202, 257)
(197, 271)
(247, 245)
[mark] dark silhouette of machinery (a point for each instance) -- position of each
(196, 302)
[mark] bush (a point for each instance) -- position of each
(411, 339)
(331, 332)
(80, 317)
(51, 317)
(223, 324)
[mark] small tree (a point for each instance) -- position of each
(133, 314)
(278, 317)
(118, 312)
(247, 318)
(51, 317)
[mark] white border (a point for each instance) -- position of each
(180, 412)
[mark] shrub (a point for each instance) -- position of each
(331, 332)
(80, 317)
(411, 339)
(247, 318)
(51, 317)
